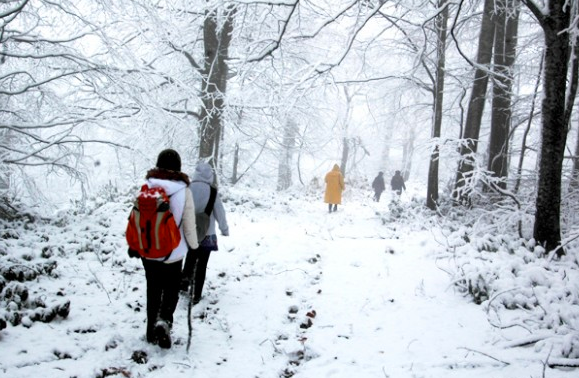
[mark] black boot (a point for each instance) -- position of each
(151, 337)
(163, 334)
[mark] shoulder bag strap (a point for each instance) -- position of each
(211, 202)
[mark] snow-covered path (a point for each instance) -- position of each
(293, 292)
(384, 307)
(394, 315)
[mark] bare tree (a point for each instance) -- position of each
(54, 94)
(574, 184)
(531, 116)
(504, 59)
(441, 33)
(287, 152)
(216, 39)
(464, 176)
(560, 85)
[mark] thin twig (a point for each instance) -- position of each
(486, 355)
(99, 283)
(547, 361)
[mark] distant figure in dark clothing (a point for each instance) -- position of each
(378, 186)
(397, 183)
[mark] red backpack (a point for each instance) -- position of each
(152, 230)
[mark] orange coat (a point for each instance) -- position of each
(334, 186)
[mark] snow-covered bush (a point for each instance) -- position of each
(20, 301)
(520, 286)
(30, 251)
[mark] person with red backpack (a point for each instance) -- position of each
(161, 237)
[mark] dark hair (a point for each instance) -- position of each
(170, 160)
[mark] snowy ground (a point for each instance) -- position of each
(293, 292)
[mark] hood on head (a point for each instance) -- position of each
(204, 172)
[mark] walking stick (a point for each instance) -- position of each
(190, 306)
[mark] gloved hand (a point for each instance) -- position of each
(133, 253)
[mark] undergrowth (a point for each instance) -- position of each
(496, 263)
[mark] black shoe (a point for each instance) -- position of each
(151, 338)
(163, 334)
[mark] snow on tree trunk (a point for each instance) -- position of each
(216, 39)
(547, 228)
(284, 178)
(345, 155)
(441, 31)
(476, 105)
(504, 59)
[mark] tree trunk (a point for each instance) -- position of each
(528, 128)
(407, 152)
(574, 184)
(284, 178)
(504, 59)
(345, 155)
(547, 229)
(216, 39)
(386, 140)
(346, 140)
(476, 105)
(441, 31)
(234, 177)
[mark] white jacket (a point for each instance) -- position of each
(183, 209)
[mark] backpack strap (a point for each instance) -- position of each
(181, 221)
(211, 202)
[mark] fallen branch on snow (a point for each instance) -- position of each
(486, 355)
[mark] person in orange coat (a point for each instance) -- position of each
(334, 187)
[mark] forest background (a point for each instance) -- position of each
(472, 99)
(281, 90)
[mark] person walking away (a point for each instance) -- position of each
(334, 188)
(397, 183)
(378, 186)
(195, 268)
(163, 274)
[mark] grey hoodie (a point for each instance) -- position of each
(202, 178)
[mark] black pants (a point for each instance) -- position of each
(196, 264)
(332, 207)
(377, 196)
(162, 291)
